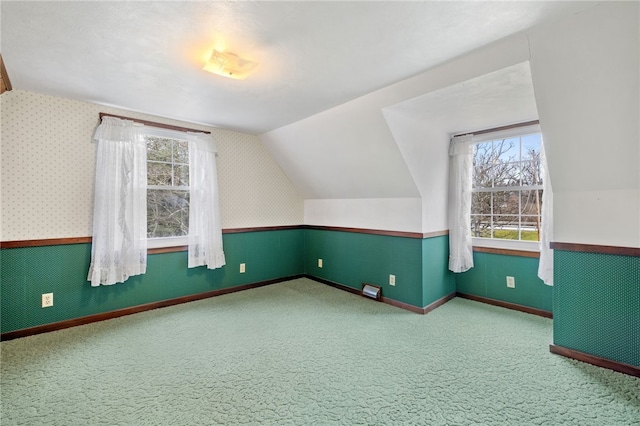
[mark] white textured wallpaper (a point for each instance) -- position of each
(48, 163)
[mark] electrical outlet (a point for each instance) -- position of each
(392, 280)
(47, 300)
(319, 263)
(511, 282)
(243, 268)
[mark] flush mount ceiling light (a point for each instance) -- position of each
(229, 65)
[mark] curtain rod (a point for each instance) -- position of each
(5, 76)
(496, 129)
(154, 124)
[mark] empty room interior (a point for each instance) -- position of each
(393, 183)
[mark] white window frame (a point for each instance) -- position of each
(498, 243)
(182, 240)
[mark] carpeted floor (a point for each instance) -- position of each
(300, 352)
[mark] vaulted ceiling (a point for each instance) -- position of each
(312, 55)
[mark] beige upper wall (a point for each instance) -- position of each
(48, 165)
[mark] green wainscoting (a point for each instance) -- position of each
(596, 304)
(62, 270)
(437, 280)
(488, 279)
(351, 258)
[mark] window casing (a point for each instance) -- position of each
(506, 200)
(167, 187)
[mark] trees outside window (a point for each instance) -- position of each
(506, 197)
(167, 187)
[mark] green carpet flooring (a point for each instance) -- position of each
(304, 353)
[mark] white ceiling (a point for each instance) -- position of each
(147, 56)
(502, 97)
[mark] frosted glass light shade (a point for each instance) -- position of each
(229, 65)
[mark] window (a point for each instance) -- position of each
(171, 172)
(506, 198)
(167, 187)
(182, 195)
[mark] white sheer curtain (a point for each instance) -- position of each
(460, 245)
(119, 246)
(205, 228)
(545, 267)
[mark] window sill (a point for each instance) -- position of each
(507, 247)
(160, 243)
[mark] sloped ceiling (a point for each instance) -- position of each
(313, 55)
(326, 70)
(501, 97)
(422, 127)
(345, 152)
(392, 143)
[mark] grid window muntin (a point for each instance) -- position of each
(507, 188)
(167, 187)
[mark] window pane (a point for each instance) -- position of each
(158, 174)
(506, 202)
(507, 150)
(505, 227)
(530, 228)
(505, 162)
(530, 143)
(481, 203)
(159, 149)
(531, 172)
(181, 152)
(167, 213)
(531, 202)
(482, 164)
(181, 175)
(506, 174)
(481, 226)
